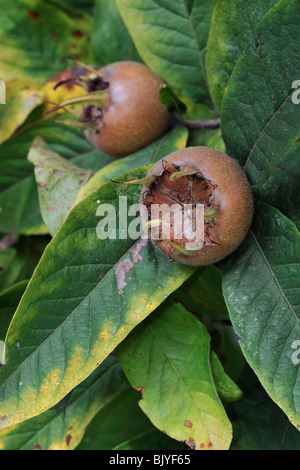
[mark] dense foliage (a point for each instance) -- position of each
(213, 352)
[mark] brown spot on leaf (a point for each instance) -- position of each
(188, 423)
(68, 439)
(191, 443)
(41, 184)
(33, 15)
(202, 445)
(77, 34)
(37, 447)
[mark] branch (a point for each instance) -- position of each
(7, 241)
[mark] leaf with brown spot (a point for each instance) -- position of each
(22, 97)
(59, 182)
(28, 47)
(69, 320)
(104, 386)
(179, 394)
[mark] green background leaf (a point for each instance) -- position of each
(111, 41)
(152, 440)
(119, 421)
(227, 390)
(37, 38)
(261, 289)
(233, 27)
(258, 424)
(259, 120)
(19, 203)
(58, 181)
(171, 36)
(9, 300)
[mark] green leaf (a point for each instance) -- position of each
(22, 97)
(10, 267)
(85, 5)
(259, 119)
(19, 203)
(170, 142)
(20, 261)
(152, 440)
(233, 27)
(9, 300)
(197, 111)
(37, 38)
(84, 298)
(111, 41)
(258, 424)
(63, 427)
(58, 181)
(226, 346)
(171, 101)
(202, 295)
(282, 188)
(205, 288)
(261, 290)
(167, 357)
(226, 388)
(119, 421)
(171, 36)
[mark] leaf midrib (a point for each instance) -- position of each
(251, 150)
(274, 276)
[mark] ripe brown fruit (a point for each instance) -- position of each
(133, 117)
(201, 175)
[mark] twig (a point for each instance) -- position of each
(7, 241)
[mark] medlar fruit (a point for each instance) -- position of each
(133, 117)
(199, 176)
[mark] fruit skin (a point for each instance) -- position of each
(134, 116)
(232, 197)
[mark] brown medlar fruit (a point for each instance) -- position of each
(200, 176)
(133, 117)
